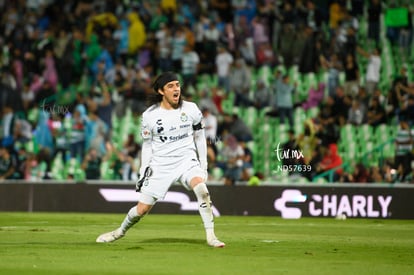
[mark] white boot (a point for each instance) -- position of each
(110, 236)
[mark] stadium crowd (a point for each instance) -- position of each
(71, 70)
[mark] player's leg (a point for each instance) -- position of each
(134, 215)
(204, 207)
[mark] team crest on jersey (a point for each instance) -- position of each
(183, 117)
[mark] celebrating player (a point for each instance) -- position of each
(174, 149)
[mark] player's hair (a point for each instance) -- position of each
(159, 83)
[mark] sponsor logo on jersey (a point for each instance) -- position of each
(185, 126)
(175, 138)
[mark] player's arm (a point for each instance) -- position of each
(201, 144)
(146, 153)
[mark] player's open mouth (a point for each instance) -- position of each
(176, 95)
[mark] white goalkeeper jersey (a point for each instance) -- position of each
(171, 132)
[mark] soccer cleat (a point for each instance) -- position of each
(215, 243)
(110, 236)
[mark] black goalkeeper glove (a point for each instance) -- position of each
(142, 178)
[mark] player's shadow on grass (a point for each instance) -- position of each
(173, 240)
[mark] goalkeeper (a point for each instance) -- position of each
(174, 149)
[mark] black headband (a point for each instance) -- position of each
(163, 79)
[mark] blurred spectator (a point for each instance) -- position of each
(357, 113)
(121, 36)
(45, 96)
(95, 132)
(357, 7)
(247, 168)
(361, 174)
(42, 133)
(207, 101)
(314, 15)
(375, 175)
(37, 166)
(407, 110)
(232, 154)
(8, 164)
(164, 40)
(309, 54)
(260, 35)
(224, 10)
(138, 93)
(315, 97)
(116, 73)
(132, 147)
(289, 146)
(136, 33)
(21, 157)
(50, 74)
(123, 166)
(178, 43)
(328, 129)
(236, 127)
(265, 56)
(240, 79)
(334, 67)
(59, 134)
(22, 131)
(374, 17)
(284, 99)
(388, 173)
(307, 141)
(210, 126)
(92, 165)
(349, 45)
(77, 133)
(189, 68)
(405, 34)
(224, 60)
(217, 97)
(336, 14)
(403, 148)
(246, 50)
(100, 102)
(28, 96)
(211, 39)
(17, 69)
(169, 8)
(262, 95)
(7, 124)
(376, 113)
(373, 69)
(351, 75)
(331, 160)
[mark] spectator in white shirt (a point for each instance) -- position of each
(373, 69)
(224, 60)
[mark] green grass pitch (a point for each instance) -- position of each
(53, 243)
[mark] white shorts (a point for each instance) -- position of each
(164, 176)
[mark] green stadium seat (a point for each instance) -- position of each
(347, 132)
(365, 132)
